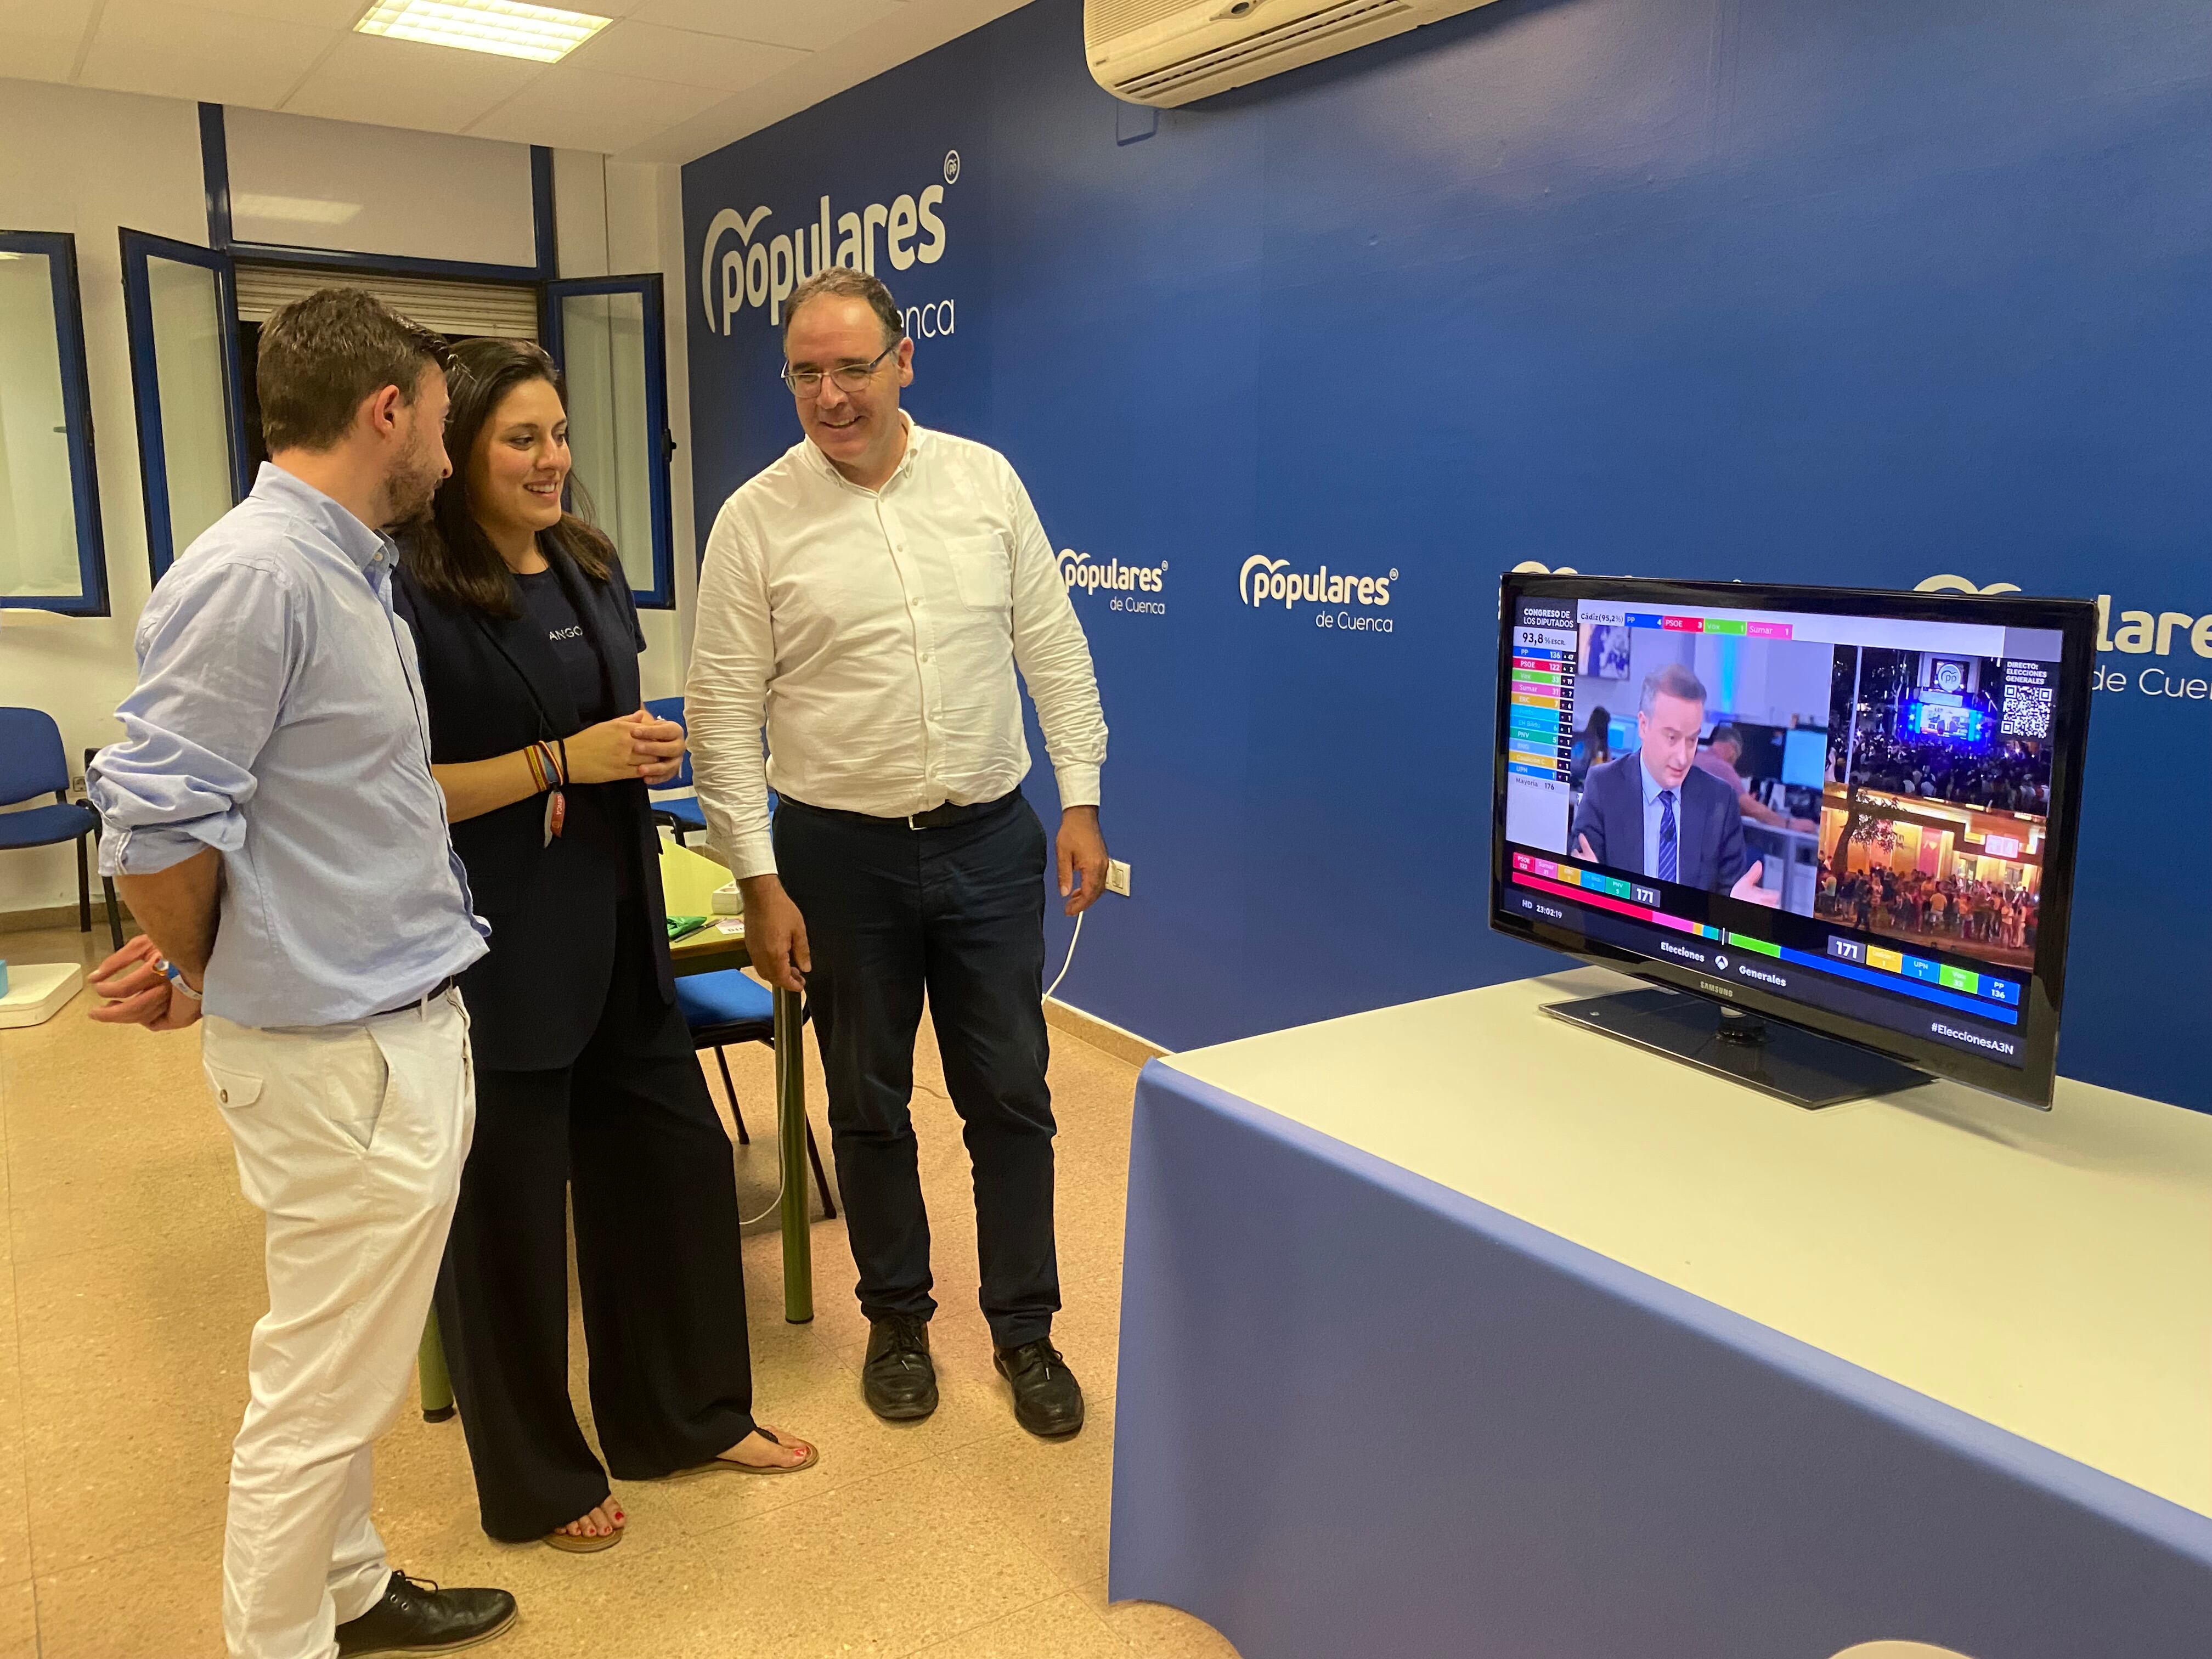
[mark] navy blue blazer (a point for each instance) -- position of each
(492, 685)
(1709, 845)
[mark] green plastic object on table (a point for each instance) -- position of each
(683, 927)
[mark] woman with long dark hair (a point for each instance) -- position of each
(588, 1090)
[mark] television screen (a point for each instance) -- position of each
(1901, 886)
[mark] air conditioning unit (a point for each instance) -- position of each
(1169, 51)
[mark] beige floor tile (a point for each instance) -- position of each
(15, 1564)
(190, 1196)
(1151, 1630)
(16, 1560)
(426, 1511)
(130, 1277)
(1054, 1493)
(89, 1498)
(162, 1601)
(134, 1382)
(1061, 1628)
(19, 1621)
(857, 1447)
(886, 1567)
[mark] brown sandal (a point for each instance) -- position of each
(569, 1542)
(813, 1457)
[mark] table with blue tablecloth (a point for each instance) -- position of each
(1451, 1329)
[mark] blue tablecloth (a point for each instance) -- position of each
(1359, 1414)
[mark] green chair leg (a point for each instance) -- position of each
(430, 1373)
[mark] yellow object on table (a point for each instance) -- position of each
(688, 882)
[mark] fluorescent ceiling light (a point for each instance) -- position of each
(298, 210)
(545, 34)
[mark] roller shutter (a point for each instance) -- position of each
(505, 309)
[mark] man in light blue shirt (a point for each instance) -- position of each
(296, 750)
(272, 821)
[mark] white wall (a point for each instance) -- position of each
(617, 219)
(89, 162)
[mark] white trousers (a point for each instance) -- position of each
(350, 1140)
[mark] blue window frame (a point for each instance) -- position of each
(35, 392)
(180, 309)
(606, 333)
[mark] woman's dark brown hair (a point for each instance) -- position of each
(447, 550)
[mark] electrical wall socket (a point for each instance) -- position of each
(1117, 877)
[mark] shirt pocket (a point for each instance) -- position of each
(983, 570)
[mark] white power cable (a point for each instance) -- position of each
(775, 1203)
(1070, 963)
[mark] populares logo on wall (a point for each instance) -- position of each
(2141, 633)
(1127, 584)
(1264, 581)
(766, 264)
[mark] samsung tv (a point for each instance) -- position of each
(1832, 828)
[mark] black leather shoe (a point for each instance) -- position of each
(1048, 1400)
(416, 1616)
(898, 1380)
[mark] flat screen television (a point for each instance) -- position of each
(1877, 896)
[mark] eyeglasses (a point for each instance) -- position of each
(853, 377)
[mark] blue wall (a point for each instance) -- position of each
(1866, 292)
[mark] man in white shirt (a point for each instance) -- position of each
(868, 599)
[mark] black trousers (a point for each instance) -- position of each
(959, 912)
(629, 1131)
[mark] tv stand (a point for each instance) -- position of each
(1777, 1059)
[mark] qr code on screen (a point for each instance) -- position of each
(2028, 711)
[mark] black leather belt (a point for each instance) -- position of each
(430, 995)
(936, 817)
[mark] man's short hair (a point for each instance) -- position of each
(321, 355)
(846, 283)
(1675, 681)
(1726, 733)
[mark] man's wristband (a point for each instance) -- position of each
(175, 976)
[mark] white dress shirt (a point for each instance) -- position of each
(875, 635)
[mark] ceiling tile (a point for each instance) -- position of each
(196, 30)
(683, 55)
(404, 84)
(320, 14)
(167, 73)
(580, 109)
(33, 58)
(807, 24)
(187, 51)
(43, 20)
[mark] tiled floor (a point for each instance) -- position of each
(132, 1275)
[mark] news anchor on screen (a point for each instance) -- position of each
(1657, 812)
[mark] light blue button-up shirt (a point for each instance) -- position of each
(279, 718)
(1653, 814)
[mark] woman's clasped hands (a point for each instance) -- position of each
(636, 745)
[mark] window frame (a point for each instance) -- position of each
(138, 246)
(661, 596)
(59, 247)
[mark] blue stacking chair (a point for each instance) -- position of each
(681, 813)
(727, 1007)
(33, 763)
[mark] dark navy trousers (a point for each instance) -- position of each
(957, 913)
